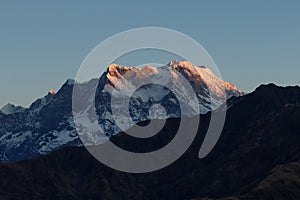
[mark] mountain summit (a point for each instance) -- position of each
(210, 89)
(199, 76)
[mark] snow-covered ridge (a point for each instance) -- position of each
(210, 90)
(200, 74)
(48, 123)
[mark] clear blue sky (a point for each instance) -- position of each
(42, 43)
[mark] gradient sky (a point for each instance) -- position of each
(42, 43)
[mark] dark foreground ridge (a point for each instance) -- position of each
(257, 157)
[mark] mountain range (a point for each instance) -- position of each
(48, 123)
(256, 157)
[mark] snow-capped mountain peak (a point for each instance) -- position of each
(48, 124)
(200, 76)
